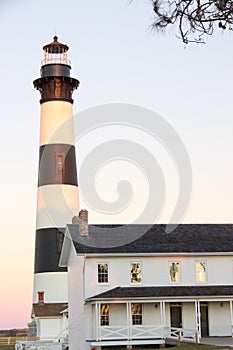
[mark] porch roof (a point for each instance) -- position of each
(166, 292)
(140, 238)
(49, 309)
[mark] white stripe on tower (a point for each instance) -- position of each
(57, 200)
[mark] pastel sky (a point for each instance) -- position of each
(117, 59)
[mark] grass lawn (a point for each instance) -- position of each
(198, 347)
(181, 347)
(7, 347)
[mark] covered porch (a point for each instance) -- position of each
(152, 320)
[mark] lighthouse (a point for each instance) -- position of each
(57, 196)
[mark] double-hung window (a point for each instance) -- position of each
(136, 310)
(200, 267)
(102, 273)
(104, 314)
(135, 272)
(174, 271)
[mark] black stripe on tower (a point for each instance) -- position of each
(48, 248)
(57, 165)
(56, 88)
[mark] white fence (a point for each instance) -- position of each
(39, 345)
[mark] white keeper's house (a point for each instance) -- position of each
(159, 285)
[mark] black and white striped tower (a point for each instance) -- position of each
(57, 200)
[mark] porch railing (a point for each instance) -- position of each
(145, 332)
(110, 333)
(141, 332)
(180, 334)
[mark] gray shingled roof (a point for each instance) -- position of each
(158, 292)
(186, 238)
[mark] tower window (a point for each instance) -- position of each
(60, 165)
(135, 272)
(102, 273)
(104, 314)
(60, 238)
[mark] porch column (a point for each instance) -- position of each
(231, 312)
(129, 320)
(97, 315)
(161, 313)
(164, 314)
(162, 320)
(198, 318)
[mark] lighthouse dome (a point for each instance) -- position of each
(55, 46)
